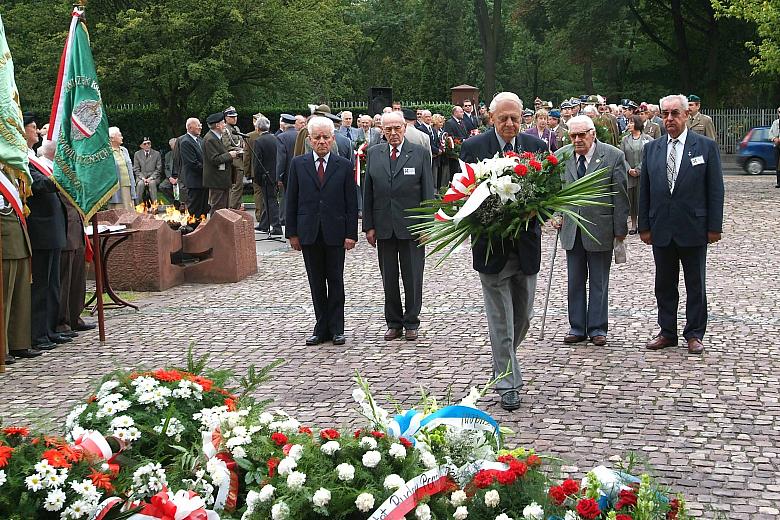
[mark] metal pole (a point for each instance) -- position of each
(2, 311)
(98, 258)
(549, 282)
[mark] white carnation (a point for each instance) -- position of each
(393, 482)
(279, 511)
(321, 497)
(265, 418)
(571, 515)
(428, 460)
(397, 451)
(364, 502)
(533, 511)
(492, 498)
(286, 466)
(423, 512)
(371, 459)
(330, 447)
(296, 480)
(461, 513)
(266, 493)
(296, 452)
(345, 471)
(458, 498)
(368, 443)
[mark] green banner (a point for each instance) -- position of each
(13, 145)
(84, 165)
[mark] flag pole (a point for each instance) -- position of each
(98, 278)
(3, 346)
(549, 282)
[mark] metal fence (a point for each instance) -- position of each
(731, 124)
(339, 104)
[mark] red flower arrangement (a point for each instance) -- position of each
(279, 438)
(329, 434)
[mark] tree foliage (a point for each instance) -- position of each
(766, 16)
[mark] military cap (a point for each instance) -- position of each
(231, 112)
(565, 104)
(583, 98)
(287, 118)
(592, 100)
(146, 140)
(321, 110)
(693, 98)
(555, 113)
(29, 117)
(575, 102)
(632, 105)
(215, 118)
(409, 114)
(332, 117)
(528, 112)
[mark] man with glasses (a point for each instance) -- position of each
(774, 135)
(470, 117)
(680, 212)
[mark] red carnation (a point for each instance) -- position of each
(377, 435)
(272, 463)
(206, 384)
(330, 434)
(305, 429)
(552, 159)
(506, 459)
(624, 517)
(588, 508)
(483, 479)
(533, 460)
(510, 154)
(17, 430)
(5, 454)
(279, 438)
(405, 442)
(231, 404)
(506, 478)
(521, 170)
(518, 468)
(674, 505)
(536, 165)
(626, 498)
(557, 494)
(358, 433)
(527, 155)
(570, 487)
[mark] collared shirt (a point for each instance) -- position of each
(194, 137)
(502, 143)
(219, 136)
(588, 156)
(317, 158)
(677, 149)
(398, 148)
(774, 131)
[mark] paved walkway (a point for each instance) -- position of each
(708, 426)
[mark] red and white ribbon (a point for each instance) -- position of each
(407, 497)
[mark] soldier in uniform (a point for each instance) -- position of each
(528, 120)
(650, 127)
(217, 163)
(697, 121)
(284, 157)
(233, 141)
(554, 122)
(257, 192)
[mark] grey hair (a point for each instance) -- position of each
(190, 122)
(590, 109)
(583, 120)
(505, 96)
(46, 146)
(320, 122)
(393, 114)
(113, 131)
(344, 113)
(172, 143)
(426, 113)
(263, 124)
(682, 100)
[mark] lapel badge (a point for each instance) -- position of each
(689, 153)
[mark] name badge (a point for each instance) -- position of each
(221, 167)
(408, 171)
(697, 160)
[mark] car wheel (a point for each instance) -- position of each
(754, 166)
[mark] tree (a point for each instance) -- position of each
(766, 17)
(491, 32)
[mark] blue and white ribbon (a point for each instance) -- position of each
(411, 422)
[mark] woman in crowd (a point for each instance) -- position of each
(541, 130)
(124, 198)
(441, 167)
(632, 145)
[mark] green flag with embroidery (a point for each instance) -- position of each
(84, 165)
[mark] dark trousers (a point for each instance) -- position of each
(777, 165)
(198, 201)
(411, 258)
(588, 310)
(72, 288)
(325, 271)
(45, 293)
(270, 205)
(667, 275)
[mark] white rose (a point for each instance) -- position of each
(330, 447)
(423, 512)
(371, 459)
(533, 511)
(279, 511)
(345, 471)
(266, 493)
(368, 443)
(393, 482)
(461, 513)
(397, 451)
(458, 498)
(364, 502)
(492, 498)
(296, 480)
(321, 497)
(286, 466)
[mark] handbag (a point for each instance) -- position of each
(620, 251)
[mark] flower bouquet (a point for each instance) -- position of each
(452, 146)
(498, 198)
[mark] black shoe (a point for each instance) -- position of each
(277, 232)
(85, 326)
(69, 334)
(9, 359)
(44, 346)
(261, 230)
(56, 338)
(632, 232)
(314, 340)
(339, 339)
(510, 400)
(29, 353)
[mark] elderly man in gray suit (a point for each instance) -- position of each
(148, 170)
(589, 260)
(398, 177)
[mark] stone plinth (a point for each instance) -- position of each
(226, 246)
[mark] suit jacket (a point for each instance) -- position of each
(191, 157)
(528, 244)
(606, 222)
(471, 121)
(284, 152)
(354, 132)
(695, 207)
(344, 147)
(387, 195)
(419, 138)
(217, 163)
(330, 208)
(247, 159)
(116, 198)
(151, 167)
(548, 136)
(374, 136)
(452, 127)
(265, 148)
(47, 221)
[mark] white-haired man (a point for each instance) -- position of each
(322, 223)
(346, 126)
(680, 212)
(508, 269)
(190, 159)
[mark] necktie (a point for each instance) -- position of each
(321, 171)
(508, 148)
(581, 167)
(349, 133)
(394, 154)
(147, 155)
(671, 166)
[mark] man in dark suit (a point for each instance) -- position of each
(456, 126)
(588, 259)
(470, 117)
(284, 156)
(508, 272)
(322, 222)
(680, 212)
(190, 157)
(217, 163)
(398, 177)
(264, 171)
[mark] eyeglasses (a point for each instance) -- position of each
(392, 128)
(578, 135)
(673, 113)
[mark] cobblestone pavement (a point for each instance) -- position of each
(709, 426)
